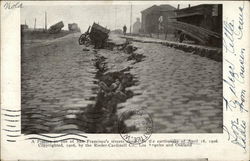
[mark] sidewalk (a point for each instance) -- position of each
(205, 51)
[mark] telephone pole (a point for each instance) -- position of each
(45, 21)
(35, 24)
(131, 18)
(115, 16)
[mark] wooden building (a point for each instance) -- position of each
(208, 16)
(152, 16)
(73, 27)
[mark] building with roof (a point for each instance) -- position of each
(202, 22)
(137, 26)
(208, 16)
(156, 17)
(73, 27)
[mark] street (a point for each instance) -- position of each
(182, 92)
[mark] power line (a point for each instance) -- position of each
(115, 15)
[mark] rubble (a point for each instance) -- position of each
(137, 57)
(85, 49)
(129, 49)
(113, 84)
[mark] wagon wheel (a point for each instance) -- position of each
(82, 39)
(181, 37)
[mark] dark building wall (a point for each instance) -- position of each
(166, 16)
(150, 18)
(217, 20)
(149, 22)
(143, 21)
(208, 16)
(152, 23)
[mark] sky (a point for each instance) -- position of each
(113, 16)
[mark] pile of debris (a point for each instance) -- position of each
(137, 56)
(113, 77)
(56, 28)
(112, 90)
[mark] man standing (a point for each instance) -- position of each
(160, 26)
(124, 29)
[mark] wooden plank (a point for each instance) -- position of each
(198, 33)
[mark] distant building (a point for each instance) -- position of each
(117, 31)
(137, 26)
(208, 16)
(73, 27)
(155, 18)
(24, 27)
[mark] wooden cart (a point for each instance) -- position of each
(98, 35)
(56, 28)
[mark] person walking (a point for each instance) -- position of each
(124, 29)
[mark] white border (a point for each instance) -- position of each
(10, 99)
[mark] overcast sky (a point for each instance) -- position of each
(110, 16)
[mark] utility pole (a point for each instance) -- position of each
(115, 16)
(45, 21)
(35, 24)
(131, 18)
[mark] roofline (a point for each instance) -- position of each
(193, 7)
(160, 9)
(148, 8)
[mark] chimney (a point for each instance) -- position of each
(178, 7)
